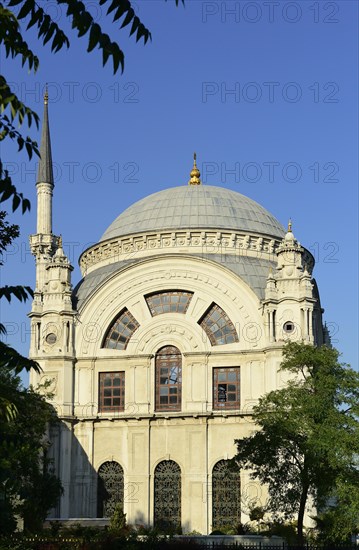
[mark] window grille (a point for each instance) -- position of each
(167, 495)
(110, 488)
(226, 495)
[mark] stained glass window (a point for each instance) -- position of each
(111, 391)
(218, 326)
(168, 369)
(226, 388)
(167, 495)
(120, 332)
(110, 487)
(226, 495)
(171, 301)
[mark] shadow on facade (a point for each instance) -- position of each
(86, 492)
(94, 494)
(158, 498)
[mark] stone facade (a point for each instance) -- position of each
(181, 383)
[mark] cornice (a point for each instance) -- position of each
(196, 241)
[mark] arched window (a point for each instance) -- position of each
(121, 331)
(167, 495)
(109, 488)
(218, 326)
(169, 301)
(226, 495)
(168, 368)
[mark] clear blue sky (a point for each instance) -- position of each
(266, 93)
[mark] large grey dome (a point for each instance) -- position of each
(195, 207)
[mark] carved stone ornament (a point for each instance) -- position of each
(205, 242)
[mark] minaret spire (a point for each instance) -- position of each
(45, 176)
(45, 172)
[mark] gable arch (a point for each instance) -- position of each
(209, 282)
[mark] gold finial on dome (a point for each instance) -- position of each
(46, 96)
(290, 226)
(195, 173)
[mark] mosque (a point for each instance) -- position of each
(156, 358)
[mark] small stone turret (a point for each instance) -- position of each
(289, 295)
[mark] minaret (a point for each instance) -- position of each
(44, 243)
(52, 313)
(52, 316)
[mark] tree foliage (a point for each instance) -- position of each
(28, 486)
(307, 446)
(10, 359)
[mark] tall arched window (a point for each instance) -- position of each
(168, 367)
(167, 495)
(226, 495)
(109, 488)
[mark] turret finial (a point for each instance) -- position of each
(289, 236)
(195, 174)
(46, 95)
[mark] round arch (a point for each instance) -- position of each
(110, 488)
(209, 281)
(167, 495)
(226, 494)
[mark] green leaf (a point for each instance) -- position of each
(45, 25)
(13, 360)
(26, 8)
(49, 33)
(22, 293)
(28, 149)
(12, 3)
(25, 205)
(135, 24)
(121, 10)
(128, 18)
(36, 18)
(95, 34)
(15, 202)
